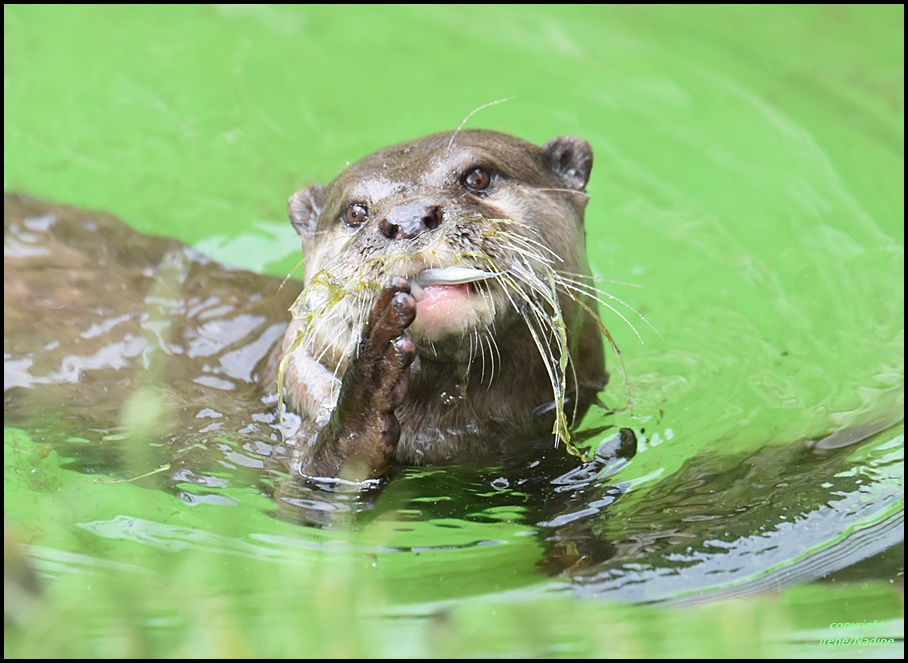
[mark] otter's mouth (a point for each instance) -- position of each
(445, 299)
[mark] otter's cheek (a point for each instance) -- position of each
(444, 309)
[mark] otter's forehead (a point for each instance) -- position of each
(434, 160)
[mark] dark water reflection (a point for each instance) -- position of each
(132, 354)
(747, 522)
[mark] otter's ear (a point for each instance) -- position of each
(570, 158)
(304, 207)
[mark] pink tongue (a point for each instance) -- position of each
(439, 306)
(433, 295)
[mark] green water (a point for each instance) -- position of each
(748, 183)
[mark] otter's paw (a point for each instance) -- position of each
(360, 438)
(386, 349)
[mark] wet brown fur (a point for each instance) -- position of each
(485, 387)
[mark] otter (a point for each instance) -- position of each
(448, 310)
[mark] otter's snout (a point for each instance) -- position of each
(410, 220)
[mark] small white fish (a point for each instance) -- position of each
(450, 276)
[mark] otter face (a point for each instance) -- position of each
(479, 222)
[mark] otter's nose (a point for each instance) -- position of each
(410, 220)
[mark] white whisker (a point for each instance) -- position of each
(471, 114)
(592, 292)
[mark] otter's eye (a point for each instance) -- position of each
(354, 216)
(477, 179)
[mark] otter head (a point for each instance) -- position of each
(488, 229)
